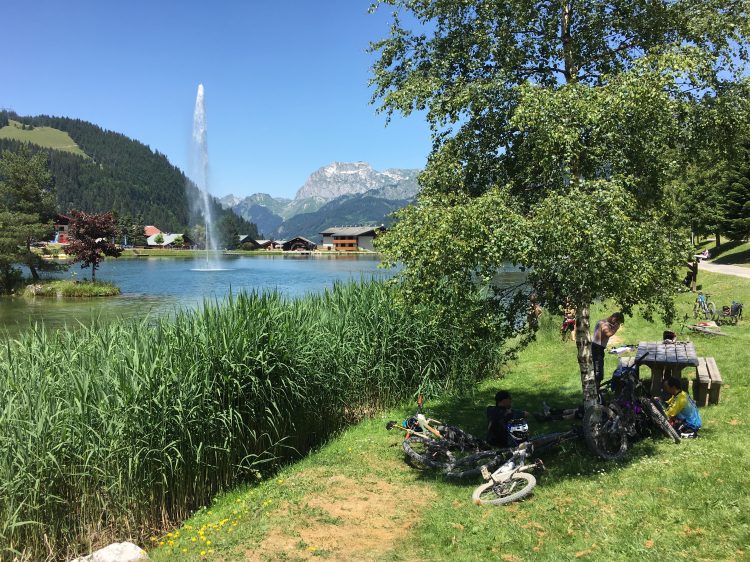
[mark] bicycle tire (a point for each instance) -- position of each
(492, 493)
(696, 309)
(659, 419)
(609, 445)
(710, 311)
(426, 451)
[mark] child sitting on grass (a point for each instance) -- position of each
(681, 409)
(498, 416)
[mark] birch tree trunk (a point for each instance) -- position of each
(585, 360)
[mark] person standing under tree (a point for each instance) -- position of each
(603, 330)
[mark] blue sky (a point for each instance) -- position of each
(285, 81)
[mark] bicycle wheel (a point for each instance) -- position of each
(516, 487)
(710, 311)
(427, 451)
(605, 440)
(470, 465)
(659, 419)
(697, 310)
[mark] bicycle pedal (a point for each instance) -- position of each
(485, 472)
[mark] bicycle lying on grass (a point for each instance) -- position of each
(458, 454)
(512, 481)
(626, 414)
(454, 452)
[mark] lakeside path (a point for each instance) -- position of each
(735, 270)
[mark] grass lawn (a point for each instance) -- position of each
(357, 499)
(734, 253)
(41, 136)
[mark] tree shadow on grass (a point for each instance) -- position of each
(723, 255)
(570, 460)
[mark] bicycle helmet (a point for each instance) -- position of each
(412, 424)
(518, 430)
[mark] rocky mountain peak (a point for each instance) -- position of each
(346, 178)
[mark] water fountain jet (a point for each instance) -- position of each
(199, 172)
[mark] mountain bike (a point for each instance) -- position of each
(512, 480)
(704, 307)
(433, 444)
(626, 414)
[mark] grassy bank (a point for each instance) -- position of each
(69, 289)
(118, 431)
(356, 498)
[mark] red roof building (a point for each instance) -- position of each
(150, 230)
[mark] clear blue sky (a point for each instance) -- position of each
(285, 81)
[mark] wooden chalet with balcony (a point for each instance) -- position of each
(351, 238)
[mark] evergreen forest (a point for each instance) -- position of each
(119, 174)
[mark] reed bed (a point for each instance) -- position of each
(117, 431)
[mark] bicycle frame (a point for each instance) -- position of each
(517, 463)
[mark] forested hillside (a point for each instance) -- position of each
(120, 174)
(347, 210)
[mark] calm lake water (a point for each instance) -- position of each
(159, 286)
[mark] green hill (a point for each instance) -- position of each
(46, 137)
(96, 170)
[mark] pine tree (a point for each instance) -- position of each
(26, 205)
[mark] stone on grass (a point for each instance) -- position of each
(116, 552)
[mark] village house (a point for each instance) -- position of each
(351, 238)
(298, 243)
(168, 240)
(61, 225)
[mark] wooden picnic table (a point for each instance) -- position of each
(666, 360)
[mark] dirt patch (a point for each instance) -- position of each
(348, 519)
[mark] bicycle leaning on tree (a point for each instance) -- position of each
(624, 413)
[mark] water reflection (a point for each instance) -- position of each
(157, 286)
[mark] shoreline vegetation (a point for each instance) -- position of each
(124, 429)
(70, 288)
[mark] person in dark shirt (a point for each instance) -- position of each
(498, 417)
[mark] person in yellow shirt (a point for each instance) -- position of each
(681, 409)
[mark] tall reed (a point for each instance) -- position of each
(119, 430)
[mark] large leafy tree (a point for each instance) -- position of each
(569, 120)
(92, 239)
(27, 207)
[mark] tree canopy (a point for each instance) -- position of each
(558, 130)
(92, 239)
(26, 211)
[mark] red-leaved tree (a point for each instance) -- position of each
(91, 238)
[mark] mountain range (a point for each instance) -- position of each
(339, 194)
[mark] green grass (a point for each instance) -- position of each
(732, 253)
(69, 288)
(46, 137)
(662, 502)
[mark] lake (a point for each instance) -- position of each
(159, 286)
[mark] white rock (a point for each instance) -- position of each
(116, 552)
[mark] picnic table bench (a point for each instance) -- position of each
(707, 383)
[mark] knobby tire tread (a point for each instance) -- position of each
(593, 442)
(659, 419)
